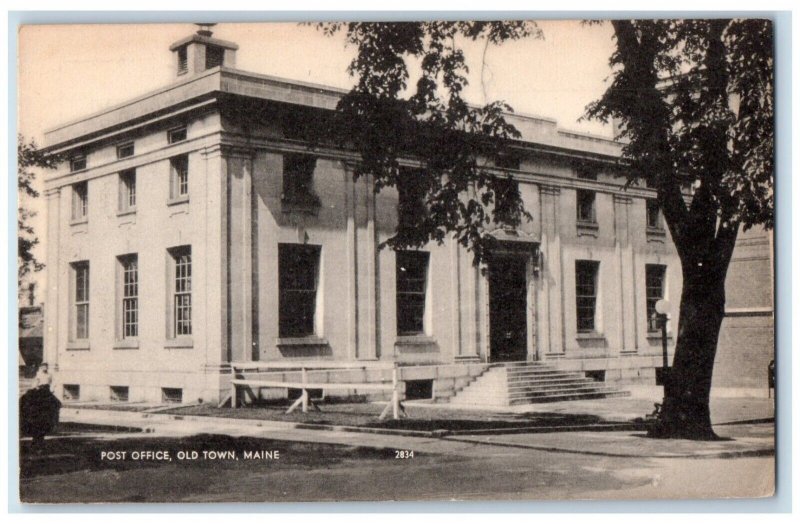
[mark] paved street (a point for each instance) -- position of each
(326, 465)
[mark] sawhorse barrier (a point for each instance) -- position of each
(304, 385)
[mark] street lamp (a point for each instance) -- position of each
(663, 308)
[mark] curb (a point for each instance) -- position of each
(553, 449)
(121, 417)
(281, 425)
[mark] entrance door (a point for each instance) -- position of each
(507, 308)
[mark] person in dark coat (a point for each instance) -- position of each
(39, 408)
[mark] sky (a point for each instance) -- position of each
(68, 71)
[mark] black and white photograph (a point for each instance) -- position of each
(457, 259)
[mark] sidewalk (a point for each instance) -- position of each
(736, 418)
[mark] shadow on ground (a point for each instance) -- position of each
(427, 419)
(71, 449)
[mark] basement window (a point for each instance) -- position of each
(419, 389)
(72, 392)
(295, 393)
(172, 395)
(119, 393)
(598, 375)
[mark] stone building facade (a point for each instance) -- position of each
(193, 227)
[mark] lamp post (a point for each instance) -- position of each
(662, 310)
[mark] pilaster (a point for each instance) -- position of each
(51, 310)
(626, 288)
(239, 165)
(552, 294)
(216, 257)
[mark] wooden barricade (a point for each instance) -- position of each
(304, 385)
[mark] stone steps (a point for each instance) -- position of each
(519, 383)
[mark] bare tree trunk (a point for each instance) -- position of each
(685, 412)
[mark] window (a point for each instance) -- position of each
(176, 135)
(214, 56)
(507, 162)
(586, 172)
(411, 291)
(183, 60)
(586, 294)
(298, 179)
(411, 206)
(127, 190)
(80, 200)
(72, 392)
(77, 163)
(654, 286)
(129, 266)
(586, 206)
(586, 198)
(118, 393)
(654, 215)
(179, 177)
(181, 290)
(125, 150)
(298, 268)
(80, 271)
(172, 395)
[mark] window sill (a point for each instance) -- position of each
(309, 205)
(79, 221)
(590, 335)
(656, 234)
(587, 228)
(311, 340)
(127, 343)
(178, 200)
(78, 345)
(179, 343)
(651, 335)
(126, 212)
(415, 340)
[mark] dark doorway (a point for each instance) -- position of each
(507, 308)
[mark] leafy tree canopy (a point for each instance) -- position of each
(695, 100)
(29, 158)
(396, 127)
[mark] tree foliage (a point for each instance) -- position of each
(396, 127)
(29, 159)
(695, 100)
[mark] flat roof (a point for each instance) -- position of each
(224, 80)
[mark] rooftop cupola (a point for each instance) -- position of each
(199, 52)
